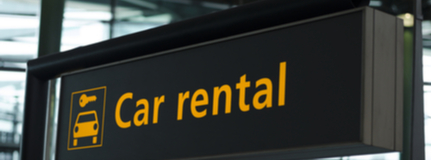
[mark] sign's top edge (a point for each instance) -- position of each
(197, 30)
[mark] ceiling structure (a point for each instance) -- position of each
(22, 21)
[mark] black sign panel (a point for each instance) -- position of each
(297, 86)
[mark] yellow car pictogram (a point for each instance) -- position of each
(86, 125)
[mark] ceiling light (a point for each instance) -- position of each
(408, 19)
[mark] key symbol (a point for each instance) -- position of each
(84, 99)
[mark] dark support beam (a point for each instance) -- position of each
(414, 137)
(32, 143)
(35, 110)
(50, 30)
(417, 139)
(113, 18)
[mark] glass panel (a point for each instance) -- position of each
(18, 44)
(381, 156)
(85, 22)
(428, 121)
(18, 32)
(427, 77)
(12, 85)
(137, 15)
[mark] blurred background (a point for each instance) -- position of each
(90, 21)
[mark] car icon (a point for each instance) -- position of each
(86, 125)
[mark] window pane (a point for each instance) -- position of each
(137, 15)
(85, 22)
(18, 32)
(12, 85)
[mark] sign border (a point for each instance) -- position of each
(103, 119)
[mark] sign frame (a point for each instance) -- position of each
(375, 132)
(38, 81)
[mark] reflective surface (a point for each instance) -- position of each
(12, 85)
(85, 23)
(92, 21)
(18, 32)
(52, 119)
(18, 44)
(427, 77)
